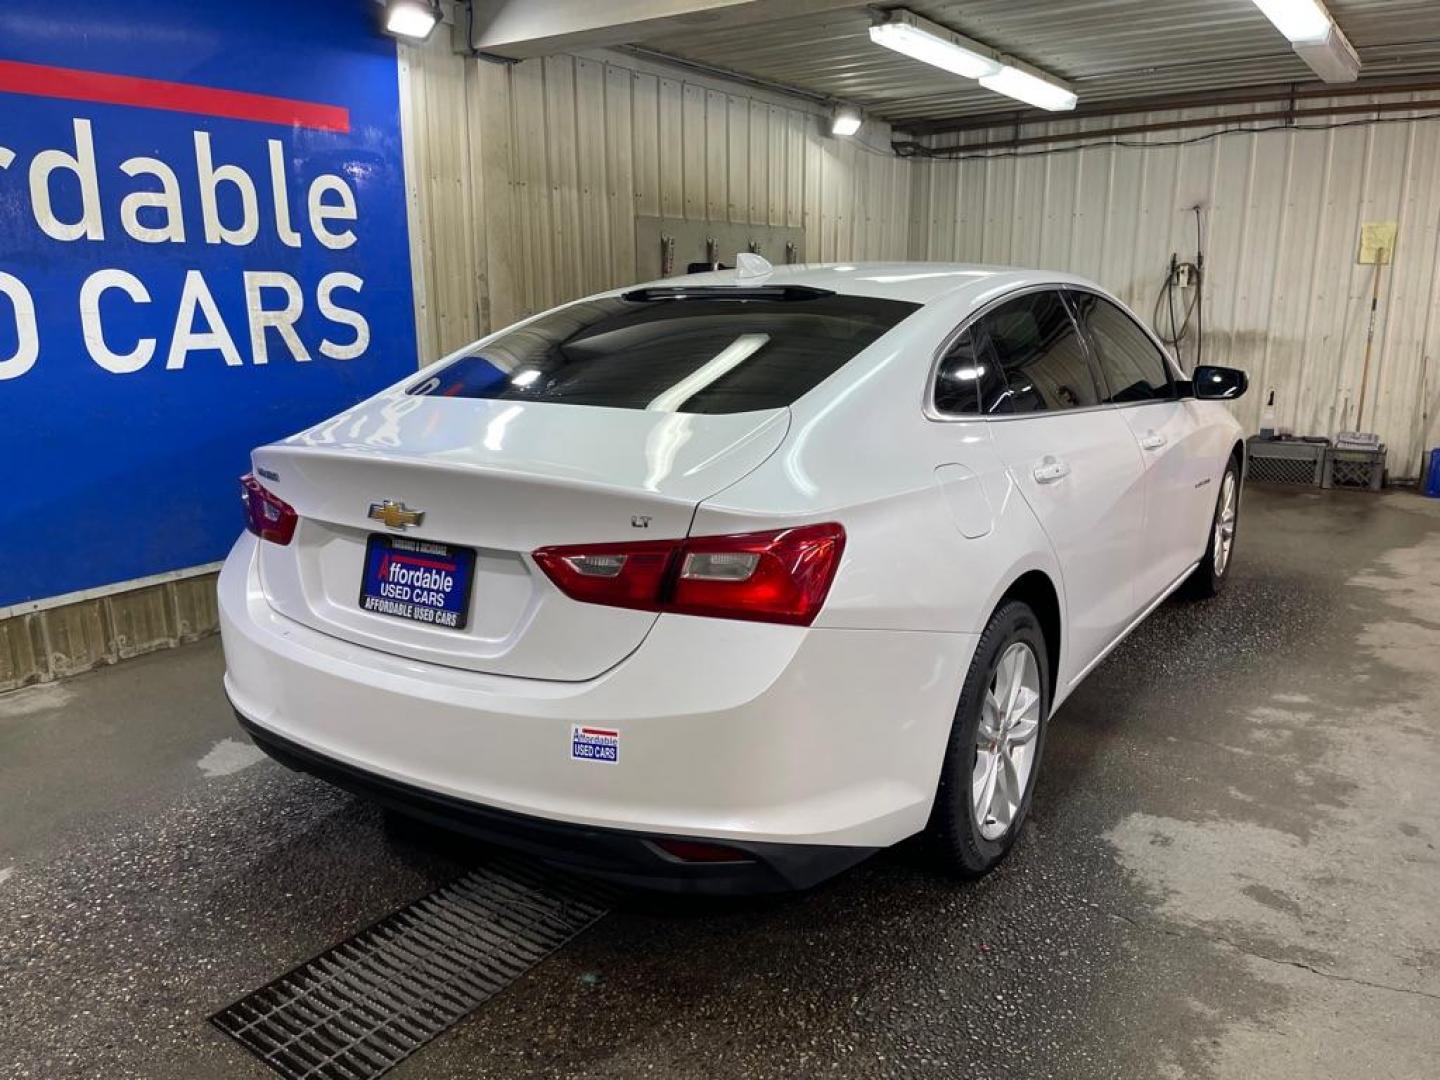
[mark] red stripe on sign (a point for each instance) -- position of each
(599, 731)
(42, 80)
(416, 560)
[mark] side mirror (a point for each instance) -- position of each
(1219, 383)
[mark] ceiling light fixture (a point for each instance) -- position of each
(413, 20)
(1334, 59)
(1298, 20)
(845, 120)
(1316, 39)
(920, 39)
(1031, 87)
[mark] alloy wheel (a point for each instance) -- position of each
(1005, 741)
(1225, 523)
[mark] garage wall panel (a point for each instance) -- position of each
(563, 152)
(439, 186)
(63, 636)
(549, 161)
(1282, 210)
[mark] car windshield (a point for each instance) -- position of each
(674, 350)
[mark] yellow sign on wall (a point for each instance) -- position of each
(1377, 241)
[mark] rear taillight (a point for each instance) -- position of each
(781, 576)
(266, 514)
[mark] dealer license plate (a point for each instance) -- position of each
(418, 580)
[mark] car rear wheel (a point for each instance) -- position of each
(1210, 576)
(994, 751)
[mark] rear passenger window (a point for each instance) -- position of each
(1130, 362)
(1029, 358)
(964, 379)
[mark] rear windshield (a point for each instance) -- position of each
(677, 354)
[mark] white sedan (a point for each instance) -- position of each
(724, 582)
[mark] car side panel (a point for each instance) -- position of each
(1179, 489)
(1092, 515)
(908, 564)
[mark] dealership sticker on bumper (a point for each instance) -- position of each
(594, 744)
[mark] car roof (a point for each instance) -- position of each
(914, 282)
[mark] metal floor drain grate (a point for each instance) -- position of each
(370, 1002)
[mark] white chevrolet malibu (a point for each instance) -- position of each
(724, 582)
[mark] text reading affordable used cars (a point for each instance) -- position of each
(727, 581)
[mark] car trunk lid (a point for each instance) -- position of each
(501, 478)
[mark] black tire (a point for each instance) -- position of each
(1208, 579)
(954, 837)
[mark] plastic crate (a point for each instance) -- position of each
(1357, 440)
(1284, 461)
(1362, 469)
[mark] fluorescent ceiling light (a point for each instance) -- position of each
(1299, 20)
(920, 39)
(413, 19)
(1032, 89)
(845, 121)
(1333, 59)
(1314, 37)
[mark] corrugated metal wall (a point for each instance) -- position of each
(1285, 298)
(527, 178)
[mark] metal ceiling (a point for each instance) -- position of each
(1110, 51)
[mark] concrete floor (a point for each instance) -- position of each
(1230, 871)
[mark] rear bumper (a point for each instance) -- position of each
(752, 735)
(626, 858)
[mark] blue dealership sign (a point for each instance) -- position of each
(202, 248)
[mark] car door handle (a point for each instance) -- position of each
(1050, 470)
(1153, 441)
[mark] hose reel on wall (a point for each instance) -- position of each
(1183, 275)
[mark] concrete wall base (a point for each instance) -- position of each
(42, 646)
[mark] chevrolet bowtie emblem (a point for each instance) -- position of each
(395, 515)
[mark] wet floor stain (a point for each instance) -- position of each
(229, 756)
(35, 699)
